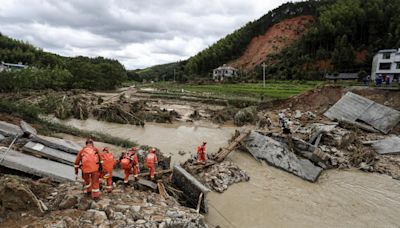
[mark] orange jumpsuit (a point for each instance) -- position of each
(151, 160)
(108, 166)
(201, 152)
(128, 161)
(88, 160)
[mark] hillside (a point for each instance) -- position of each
(53, 71)
(304, 40)
(272, 41)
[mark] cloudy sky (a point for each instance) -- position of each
(139, 33)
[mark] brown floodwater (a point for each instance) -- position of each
(273, 198)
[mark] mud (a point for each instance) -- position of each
(275, 198)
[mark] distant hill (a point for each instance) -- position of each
(75, 72)
(303, 40)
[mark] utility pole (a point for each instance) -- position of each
(263, 65)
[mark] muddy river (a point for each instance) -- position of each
(273, 198)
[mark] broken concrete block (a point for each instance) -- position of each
(59, 144)
(27, 129)
(147, 183)
(357, 110)
(41, 150)
(390, 145)
(191, 187)
(2, 137)
(8, 129)
(36, 166)
(277, 154)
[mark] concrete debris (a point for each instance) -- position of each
(41, 150)
(36, 166)
(56, 143)
(356, 109)
(8, 129)
(125, 207)
(2, 137)
(28, 129)
(390, 145)
(191, 187)
(279, 155)
(220, 176)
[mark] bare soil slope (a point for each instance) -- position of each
(274, 40)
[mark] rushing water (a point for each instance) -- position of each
(273, 198)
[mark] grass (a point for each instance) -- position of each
(254, 91)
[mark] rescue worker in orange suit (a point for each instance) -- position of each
(151, 162)
(129, 160)
(108, 165)
(201, 153)
(88, 160)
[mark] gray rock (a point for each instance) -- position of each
(2, 137)
(69, 201)
(60, 224)
(28, 129)
(99, 217)
(135, 208)
(8, 129)
(118, 216)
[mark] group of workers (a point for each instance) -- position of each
(97, 167)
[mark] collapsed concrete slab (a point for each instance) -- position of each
(59, 144)
(191, 187)
(277, 154)
(390, 145)
(27, 128)
(36, 166)
(41, 150)
(364, 113)
(8, 129)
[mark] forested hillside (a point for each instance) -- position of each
(345, 38)
(48, 70)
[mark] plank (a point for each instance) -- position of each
(227, 150)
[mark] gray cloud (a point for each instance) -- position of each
(136, 32)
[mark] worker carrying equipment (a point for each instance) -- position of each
(201, 153)
(89, 161)
(151, 162)
(108, 165)
(128, 161)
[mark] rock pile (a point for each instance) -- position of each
(219, 176)
(125, 206)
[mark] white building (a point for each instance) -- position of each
(223, 72)
(386, 63)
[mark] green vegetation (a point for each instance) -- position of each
(342, 28)
(53, 71)
(233, 45)
(163, 72)
(31, 114)
(273, 89)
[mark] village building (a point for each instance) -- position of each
(386, 63)
(342, 76)
(11, 66)
(224, 72)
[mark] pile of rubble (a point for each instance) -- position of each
(356, 139)
(219, 176)
(41, 204)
